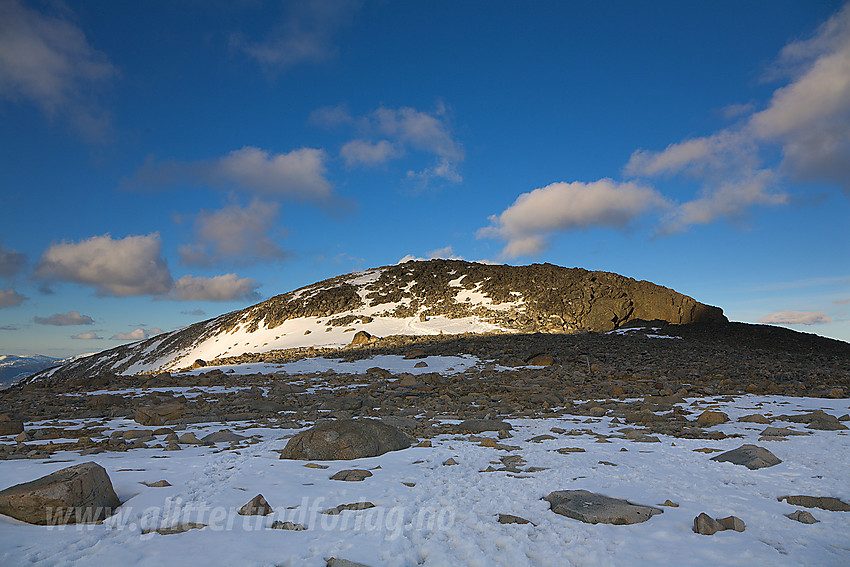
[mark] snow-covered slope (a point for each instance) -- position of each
(415, 298)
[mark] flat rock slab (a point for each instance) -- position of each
(822, 502)
(351, 475)
(592, 508)
(223, 436)
(345, 439)
(79, 494)
(751, 456)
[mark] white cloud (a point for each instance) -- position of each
(304, 36)
(569, 206)
(299, 174)
(234, 233)
(136, 334)
(10, 298)
(87, 336)
(367, 153)
(11, 261)
(796, 318)
(390, 133)
(48, 60)
(445, 253)
(227, 287)
(123, 267)
(69, 318)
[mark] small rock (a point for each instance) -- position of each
(361, 338)
(257, 506)
(189, 439)
(706, 525)
(351, 475)
(316, 466)
(802, 516)
(179, 529)
(421, 364)
(709, 418)
(158, 484)
(343, 507)
(732, 523)
(511, 519)
(278, 525)
(223, 436)
(450, 461)
(593, 508)
(822, 502)
(336, 562)
(670, 503)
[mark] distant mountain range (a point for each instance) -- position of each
(14, 367)
(415, 298)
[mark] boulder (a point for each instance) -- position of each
(709, 418)
(345, 439)
(802, 516)
(706, 525)
(361, 338)
(482, 425)
(257, 506)
(79, 494)
(593, 508)
(751, 456)
(159, 415)
(223, 436)
(10, 426)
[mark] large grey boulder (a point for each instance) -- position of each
(593, 508)
(79, 494)
(751, 456)
(482, 425)
(345, 439)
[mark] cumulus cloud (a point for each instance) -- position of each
(234, 233)
(87, 336)
(11, 262)
(227, 287)
(390, 133)
(305, 35)
(808, 119)
(10, 298)
(122, 267)
(47, 60)
(69, 318)
(136, 334)
(796, 318)
(299, 174)
(367, 153)
(569, 206)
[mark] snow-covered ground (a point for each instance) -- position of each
(449, 515)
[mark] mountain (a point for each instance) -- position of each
(415, 298)
(14, 367)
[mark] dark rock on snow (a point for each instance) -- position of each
(345, 439)
(595, 508)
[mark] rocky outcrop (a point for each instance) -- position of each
(593, 508)
(751, 456)
(540, 298)
(79, 494)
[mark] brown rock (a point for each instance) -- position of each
(706, 525)
(79, 494)
(351, 475)
(159, 415)
(257, 506)
(345, 439)
(823, 502)
(802, 516)
(709, 418)
(751, 456)
(361, 338)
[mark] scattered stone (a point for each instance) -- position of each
(316, 466)
(424, 443)
(802, 516)
(158, 484)
(709, 418)
(79, 494)
(351, 475)
(732, 523)
(354, 506)
(511, 519)
(540, 360)
(751, 456)
(188, 439)
(421, 364)
(706, 525)
(278, 525)
(595, 508)
(822, 502)
(568, 450)
(172, 446)
(544, 437)
(817, 419)
(10, 426)
(257, 506)
(223, 436)
(670, 503)
(345, 439)
(450, 461)
(178, 529)
(361, 338)
(336, 562)
(754, 418)
(159, 415)
(482, 425)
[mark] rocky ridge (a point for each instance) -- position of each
(414, 298)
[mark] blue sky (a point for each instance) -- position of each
(165, 162)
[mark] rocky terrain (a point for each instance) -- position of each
(725, 441)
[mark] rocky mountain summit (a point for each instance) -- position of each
(415, 298)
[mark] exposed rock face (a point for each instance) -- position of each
(536, 298)
(593, 508)
(345, 439)
(79, 494)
